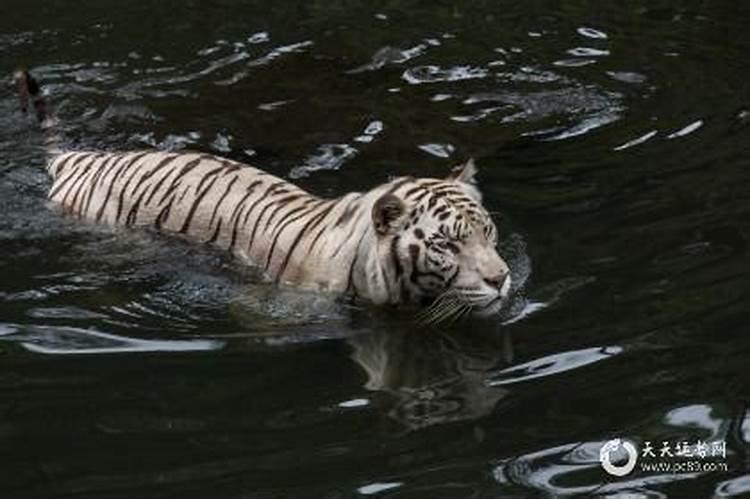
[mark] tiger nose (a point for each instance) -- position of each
(497, 281)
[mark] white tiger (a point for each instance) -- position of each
(410, 240)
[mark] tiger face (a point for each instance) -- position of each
(439, 244)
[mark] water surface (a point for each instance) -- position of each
(613, 146)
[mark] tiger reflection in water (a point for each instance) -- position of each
(431, 379)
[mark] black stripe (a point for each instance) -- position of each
(398, 269)
(351, 208)
(185, 191)
(237, 211)
(305, 205)
(101, 175)
(62, 163)
(81, 175)
(398, 184)
(59, 185)
(230, 167)
(155, 188)
(317, 237)
(447, 190)
(215, 236)
(95, 180)
(311, 228)
(90, 171)
(132, 216)
(163, 163)
(344, 241)
(206, 176)
(413, 190)
(112, 182)
(281, 204)
(453, 277)
(163, 214)
(297, 239)
(421, 195)
(286, 224)
(414, 252)
(236, 215)
(394, 256)
(112, 167)
(322, 229)
(350, 280)
(221, 200)
(439, 210)
(255, 203)
(189, 166)
(265, 195)
(123, 191)
(195, 204)
(429, 184)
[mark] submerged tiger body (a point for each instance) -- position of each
(408, 240)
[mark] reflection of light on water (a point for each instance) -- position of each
(439, 150)
(688, 129)
(591, 33)
(738, 487)
(66, 340)
(585, 125)
(554, 364)
(637, 140)
(587, 52)
(354, 403)
(528, 309)
(695, 416)
(373, 488)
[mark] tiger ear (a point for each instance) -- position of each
(387, 213)
(465, 173)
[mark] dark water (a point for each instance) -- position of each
(613, 138)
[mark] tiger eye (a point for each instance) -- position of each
(419, 233)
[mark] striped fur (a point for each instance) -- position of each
(404, 241)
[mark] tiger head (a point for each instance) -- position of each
(438, 244)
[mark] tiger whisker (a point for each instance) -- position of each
(427, 315)
(437, 309)
(437, 304)
(457, 313)
(466, 310)
(447, 310)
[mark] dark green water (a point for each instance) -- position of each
(614, 139)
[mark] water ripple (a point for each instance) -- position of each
(592, 33)
(392, 55)
(328, 157)
(439, 150)
(432, 74)
(66, 340)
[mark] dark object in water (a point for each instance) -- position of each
(29, 90)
